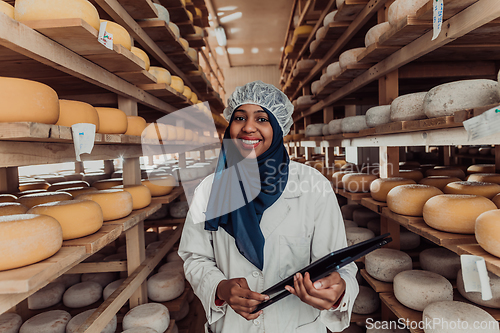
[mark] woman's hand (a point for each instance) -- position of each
(237, 294)
(323, 294)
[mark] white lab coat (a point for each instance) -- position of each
(303, 225)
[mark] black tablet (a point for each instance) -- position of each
(324, 267)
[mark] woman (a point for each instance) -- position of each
(275, 217)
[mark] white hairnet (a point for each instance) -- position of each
(266, 96)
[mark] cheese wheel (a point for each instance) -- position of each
(159, 214)
(142, 55)
(105, 184)
(314, 130)
(333, 69)
(496, 200)
(350, 57)
(37, 185)
(116, 257)
(350, 224)
(416, 289)
(173, 267)
(27, 101)
(481, 168)
(441, 261)
(190, 15)
(51, 179)
(321, 33)
(379, 188)
(160, 186)
(177, 84)
(7, 9)
(306, 100)
(80, 318)
(187, 92)
(353, 124)
(161, 74)
(363, 215)
(112, 121)
(408, 240)
(180, 133)
(193, 54)
(75, 112)
(30, 200)
(175, 29)
(194, 98)
(77, 190)
(488, 190)
(446, 171)
(152, 315)
(410, 199)
(373, 35)
(7, 198)
(82, 294)
(358, 235)
(366, 302)
(120, 34)
(402, 8)
(325, 78)
(69, 184)
(487, 228)
(54, 321)
(167, 132)
(485, 177)
(92, 177)
(378, 115)
(141, 330)
(10, 322)
(46, 297)
(110, 288)
(385, 264)
(188, 135)
(408, 107)
(198, 31)
(329, 18)
(115, 204)
(348, 211)
(103, 279)
(184, 44)
(135, 125)
(174, 256)
(476, 297)
(163, 13)
(69, 280)
(179, 209)
(455, 213)
(302, 31)
(141, 195)
(12, 208)
(28, 10)
(357, 182)
(414, 175)
(438, 181)
(182, 313)
(335, 126)
(165, 286)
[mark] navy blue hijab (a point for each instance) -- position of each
(236, 177)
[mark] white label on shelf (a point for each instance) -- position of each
(483, 125)
(475, 275)
(83, 138)
(105, 38)
(437, 14)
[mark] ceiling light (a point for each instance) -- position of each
(227, 8)
(220, 34)
(220, 13)
(235, 50)
(255, 50)
(234, 30)
(219, 50)
(231, 17)
(282, 48)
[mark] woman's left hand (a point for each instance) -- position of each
(323, 294)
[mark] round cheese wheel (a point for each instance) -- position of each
(325, 78)
(141, 195)
(27, 10)
(82, 294)
(103, 279)
(441, 261)
(414, 175)
(7, 9)
(179, 209)
(27, 101)
(446, 171)
(77, 190)
(7, 198)
(373, 35)
(188, 135)
(180, 133)
(335, 126)
(416, 289)
(306, 64)
(315, 86)
(173, 266)
(153, 315)
(161, 74)
(163, 13)
(116, 257)
(329, 18)
(199, 30)
(69, 279)
(75, 112)
(306, 100)
(10, 322)
(357, 182)
(488, 190)
(456, 213)
(362, 216)
(496, 200)
(385, 264)
(167, 132)
(115, 204)
(487, 228)
(402, 8)
(350, 57)
(54, 321)
(380, 187)
(358, 235)
(182, 313)
(438, 181)
(177, 84)
(378, 115)
(408, 107)
(410, 199)
(37, 185)
(142, 55)
(348, 211)
(80, 318)
(321, 33)
(481, 168)
(120, 34)
(92, 177)
(300, 31)
(485, 177)
(353, 124)
(314, 130)
(325, 131)
(174, 256)
(12, 208)
(111, 287)
(187, 92)
(193, 54)
(140, 330)
(160, 186)
(165, 286)
(106, 184)
(334, 69)
(194, 98)
(159, 214)
(452, 316)
(135, 125)
(350, 224)
(68, 184)
(175, 29)
(46, 297)
(30, 200)
(446, 99)
(366, 302)
(476, 297)
(408, 240)
(112, 121)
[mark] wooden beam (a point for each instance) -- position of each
(136, 253)
(128, 106)
(388, 86)
(388, 161)
(289, 28)
(497, 158)
(328, 114)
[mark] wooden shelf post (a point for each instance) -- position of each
(389, 161)
(9, 180)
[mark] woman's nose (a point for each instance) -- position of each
(249, 126)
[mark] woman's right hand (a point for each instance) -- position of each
(237, 294)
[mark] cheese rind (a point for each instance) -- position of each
(440, 261)
(141, 195)
(488, 190)
(481, 168)
(410, 199)
(31, 200)
(353, 124)
(373, 35)
(402, 8)
(358, 235)
(82, 294)
(161, 74)
(177, 84)
(80, 318)
(165, 286)
(54, 321)
(152, 315)
(358, 182)
(379, 188)
(160, 186)
(446, 171)
(366, 302)
(120, 34)
(487, 231)
(485, 177)
(46, 297)
(135, 125)
(68, 184)
(115, 204)
(350, 57)
(75, 112)
(476, 297)
(106, 184)
(10, 322)
(142, 55)
(408, 107)
(7, 9)
(112, 121)
(378, 115)
(438, 181)
(12, 208)
(385, 264)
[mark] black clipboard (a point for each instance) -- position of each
(324, 267)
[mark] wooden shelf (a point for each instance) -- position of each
(98, 240)
(160, 32)
(492, 262)
(139, 9)
(166, 199)
(351, 195)
(378, 286)
(350, 9)
(333, 32)
(163, 222)
(373, 205)
(166, 93)
(401, 311)
(135, 217)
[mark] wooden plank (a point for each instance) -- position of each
(122, 60)
(166, 199)
(135, 217)
(166, 93)
(389, 161)
(160, 32)
(451, 8)
(406, 31)
(353, 71)
(367, 132)
(373, 205)
(195, 41)
(184, 61)
(441, 238)
(401, 311)
(378, 286)
(99, 267)
(353, 196)
(163, 223)
(350, 9)
(139, 9)
(404, 220)
(376, 52)
(136, 253)
(96, 241)
(138, 77)
(492, 262)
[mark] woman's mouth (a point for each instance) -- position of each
(249, 144)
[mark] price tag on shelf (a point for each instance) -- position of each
(105, 38)
(83, 139)
(483, 125)
(437, 17)
(475, 275)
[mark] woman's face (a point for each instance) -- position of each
(251, 130)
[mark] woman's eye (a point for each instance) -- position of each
(263, 119)
(239, 118)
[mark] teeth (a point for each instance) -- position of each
(250, 142)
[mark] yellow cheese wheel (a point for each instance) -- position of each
(105, 184)
(288, 49)
(485, 177)
(196, 137)
(180, 133)
(160, 186)
(76, 191)
(198, 30)
(74, 112)
(487, 231)
(29, 10)
(115, 204)
(175, 29)
(7, 9)
(161, 74)
(380, 187)
(438, 181)
(177, 84)
(151, 132)
(190, 15)
(188, 135)
(481, 168)
(358, 182)
(20, 194)
(70, 184)
(112, 121)
(30, 200)
(496, 200)
(143, 55)
(303, 30)
(141, 195)
(446, 171)
(488, 190)
(194, 98)
(7, 198)
(120, 34)
(456, 213)
(12, 208)
(410, 199)
(187, 92)
(27, 239)
(25, 100)
(135, 125)
(198, 13)
(337, 178)
(415, 175)
(193, 54)
(78, 218)
(39, 185)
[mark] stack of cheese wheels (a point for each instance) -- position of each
(78, 218)
(160, 186)
(487, 231)
(69, 184)
(446, 171)
(7, 9)
(10, 322)
(76, 191)
(141, 195)
(385, 264)
(34, 185)
(441, 261)
(165, 286)
(79, 319)
(415, 175)
(115, 204)
(161, 74)
(12, 208)
(488, 190)
(152, 315)
(476, 297)
(112, 121)
(120, 34)
(74, 112)
(366, 302)
(417, 289)
(358, 182)
(177, 84)
(400, 9)
(485, 177)
(379, 188)
(481, 168)
(456, 213)
(408, 107)
(143, 56)
(438, 181)
(28, 101)
(410, 199)
(106, 184)
(7, 198)
(30, 200)
(135, 125)
(50, 321)
(46, 297)
(82, 294)
(27, 10)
